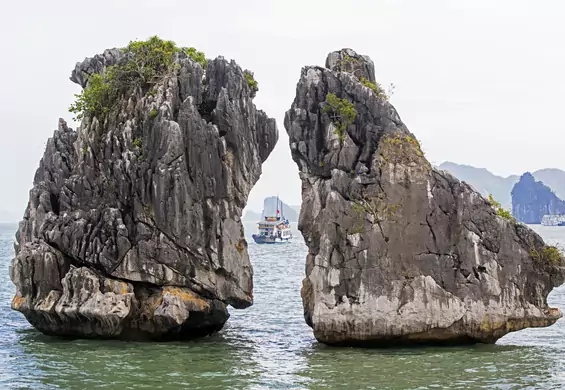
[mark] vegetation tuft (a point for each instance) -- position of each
(348, 60)
(342, 113)
(376, 87)
(402, 149)
(548, 254)
(376, 209)
(144, 65)
(500, 210)
(196, 56)
(251, 82)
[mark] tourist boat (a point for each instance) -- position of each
(273, 230)
(553, 220)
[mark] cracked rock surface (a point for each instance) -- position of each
(133, 225)
(401, 253)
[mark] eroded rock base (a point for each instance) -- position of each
(89, 305)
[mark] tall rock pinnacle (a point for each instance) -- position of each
(401, 253)
(133, 225)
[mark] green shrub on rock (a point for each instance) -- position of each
(251, 82)
(145, 64)
(548, 254)
(196, 56)
(376, 87)
(500, 210)
(342, 113)
(96, 99)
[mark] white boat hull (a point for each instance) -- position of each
(259, 239)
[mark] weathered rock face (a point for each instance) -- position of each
(532, 199)
(133, 226)
(400, 252)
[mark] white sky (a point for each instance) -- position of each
(479, 82)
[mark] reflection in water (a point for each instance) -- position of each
(270, 346)
(446, 367)
(211, 363)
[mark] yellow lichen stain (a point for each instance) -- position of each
(116, 286)
(487, 325)
(150, 305)
(240, 246)
(17, 302)
(186, 296)
(228, 158)
(513, 324)
(554, 312)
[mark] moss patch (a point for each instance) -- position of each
(402, 149)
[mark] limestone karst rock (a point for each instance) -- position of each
(133, 225)
(400, 253)
(532, 199)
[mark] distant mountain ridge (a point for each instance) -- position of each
(500, 187)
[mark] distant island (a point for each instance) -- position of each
(270, 208)
(532, 199)
(500, 187)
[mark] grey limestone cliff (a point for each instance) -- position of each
(133, 225)
(400, 252)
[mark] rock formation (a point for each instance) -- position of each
(133, 225)
(532, 199)
(499, 187)
(400, 252)
(483, 181)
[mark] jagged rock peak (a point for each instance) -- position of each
(532, 200)
(96, 64)
(347, 60)
(133, 225)
(398, 252)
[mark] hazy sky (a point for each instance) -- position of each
(479, 82)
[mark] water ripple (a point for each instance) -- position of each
(270, 346)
